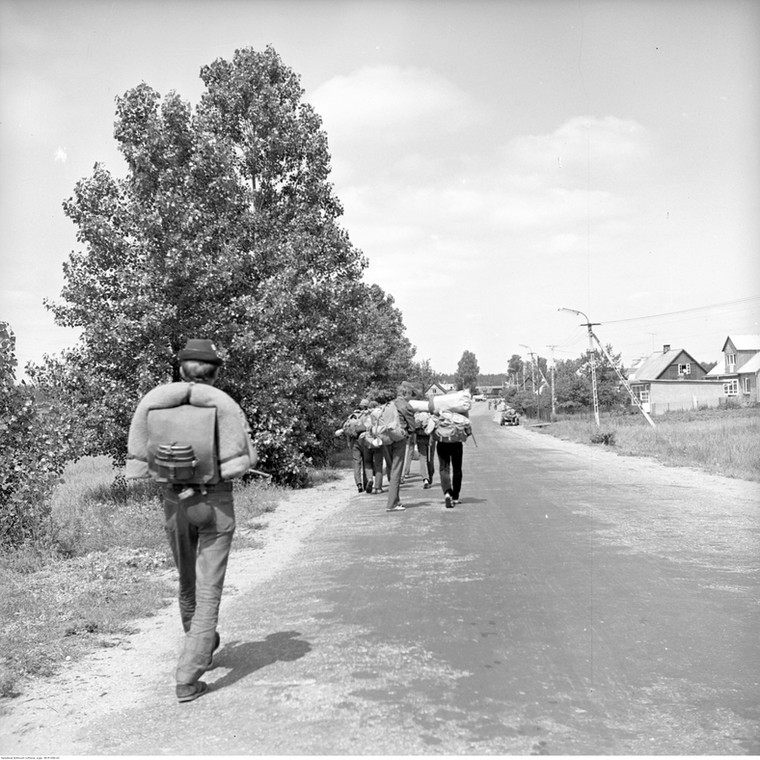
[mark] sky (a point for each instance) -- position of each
(497, 160)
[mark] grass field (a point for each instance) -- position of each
(106, 564)
(718, 441)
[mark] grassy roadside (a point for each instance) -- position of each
(718, 441)
(107, 563)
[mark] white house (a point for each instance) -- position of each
(739, 371)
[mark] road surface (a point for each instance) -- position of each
(575, 602)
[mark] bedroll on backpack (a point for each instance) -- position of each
(451, 427)
(182, 446)
(387, 424)
(357, 423)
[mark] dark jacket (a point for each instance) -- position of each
(406, 413)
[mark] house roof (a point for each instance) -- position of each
(743, 342)
(652, 367)
(719, 370)
(752, 366)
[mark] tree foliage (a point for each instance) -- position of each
(467, 372)
(33, 452)
(573, 388)
(225, 227)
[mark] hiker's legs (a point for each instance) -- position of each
(457, 454)
(410, 443)
(358, 462)
(377, 466)
(368, 470)
(183, 540)
(214, 542)
(444, 465)
(396, 470)
(425, 449)
(387, 457)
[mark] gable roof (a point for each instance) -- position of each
(743, 342)
(719, 370)
(752, 366)
(652, 367)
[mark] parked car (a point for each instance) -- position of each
(510, 417)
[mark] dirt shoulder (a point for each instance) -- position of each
(45, 719)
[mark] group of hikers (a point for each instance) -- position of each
(193, 439)
(432, 434)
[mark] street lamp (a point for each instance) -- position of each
(594, 392)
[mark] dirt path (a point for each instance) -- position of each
(45, 719)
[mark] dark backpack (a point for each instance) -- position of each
(182, 445)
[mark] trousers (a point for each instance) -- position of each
(450, 467)
(397, 452)
(426, 449)
(200, 552)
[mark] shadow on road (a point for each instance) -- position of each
(246, 657)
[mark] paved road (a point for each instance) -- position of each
(574, 603)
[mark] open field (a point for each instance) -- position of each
(718, 441)
(106, 563)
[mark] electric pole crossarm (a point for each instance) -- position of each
(633, 396)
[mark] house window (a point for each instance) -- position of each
(641, 392)
(731, 388)
(730, 362)
(746, 385)
(684, 369)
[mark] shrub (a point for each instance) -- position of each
(33, 453)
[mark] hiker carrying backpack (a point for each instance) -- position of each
(194, 440)
(452, 427)
(451, 430)
(387, 424)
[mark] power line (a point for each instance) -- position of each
(682, 311)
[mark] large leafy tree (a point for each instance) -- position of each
(225, 226)
(573, 389)
(467, 372)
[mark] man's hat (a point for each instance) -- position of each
(199, 350)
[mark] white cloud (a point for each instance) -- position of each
(581, 141)
(446, 212)
(61, 155)
(390, 102)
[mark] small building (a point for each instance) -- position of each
(437, 389)
(739, 371)
(672, 380)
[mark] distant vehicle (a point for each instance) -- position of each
(509, 417)
(478, 397)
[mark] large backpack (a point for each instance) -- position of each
(387, 425)
(358, 422)
(182, 445)
(451, 427)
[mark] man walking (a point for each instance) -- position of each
(197, 496)
(397, 449)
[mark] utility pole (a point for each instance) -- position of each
(592, 362)
(554, 398)
(533, 380)
(592, 337)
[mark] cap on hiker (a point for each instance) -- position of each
(199, 350)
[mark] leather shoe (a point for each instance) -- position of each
(187, 692)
